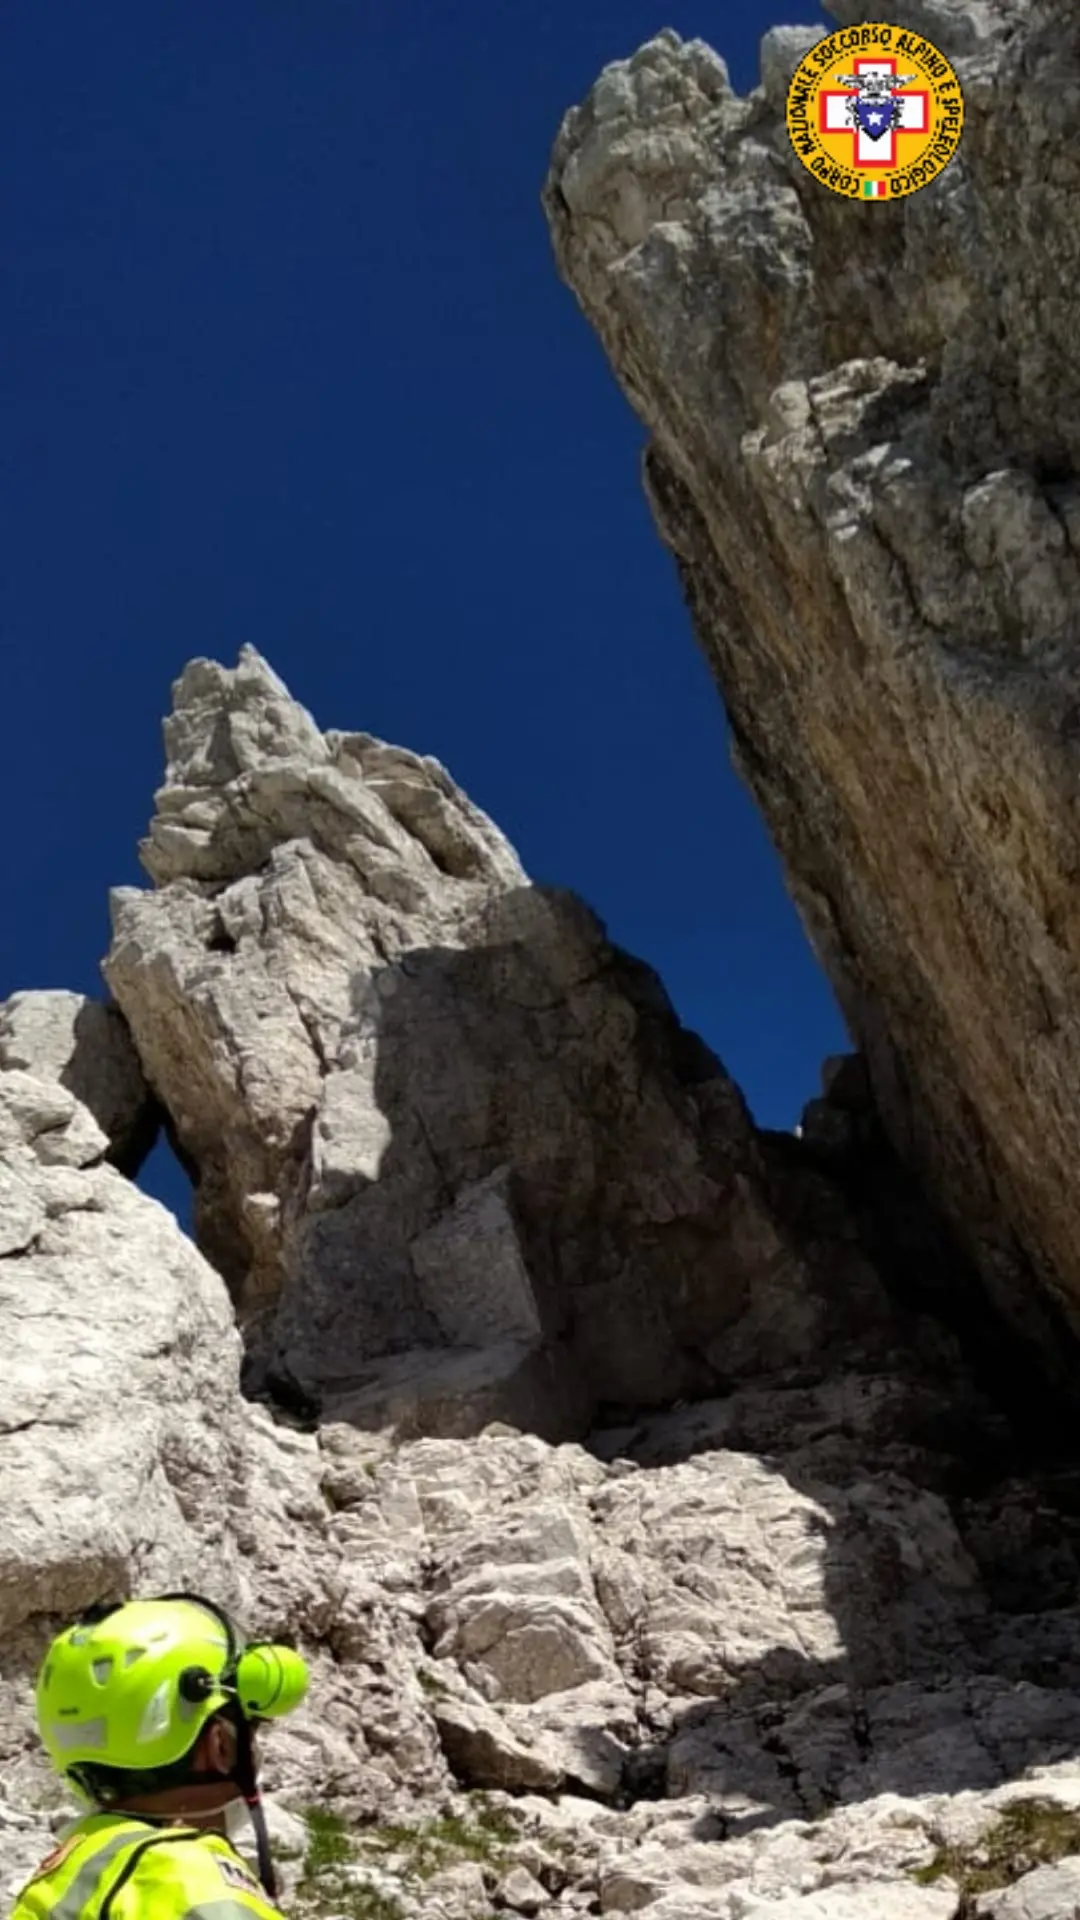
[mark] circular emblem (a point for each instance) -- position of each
(875, 112)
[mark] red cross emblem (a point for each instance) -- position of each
(835, 117)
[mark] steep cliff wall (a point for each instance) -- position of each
(865, 452)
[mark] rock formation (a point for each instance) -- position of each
(453, 1151)
(653, 1496)
(865, 441)
(86, 1046)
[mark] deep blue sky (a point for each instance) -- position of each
(285, 359)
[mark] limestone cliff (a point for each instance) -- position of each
(865, 442)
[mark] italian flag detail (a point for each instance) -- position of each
(874, 190)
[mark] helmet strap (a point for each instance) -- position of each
(246, 1780)
(245, 1777)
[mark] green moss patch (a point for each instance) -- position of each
(482, 1835)
(430, 1684)
(323, 1887)
(413, 1854)
(328, 1844)
(1030, 1833)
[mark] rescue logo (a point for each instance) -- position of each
(235, 1874)
(875, 112)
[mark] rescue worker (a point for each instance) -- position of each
(148, 1709)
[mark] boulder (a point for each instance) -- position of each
(86, 1046)
(521, 1892)
(483, 1751)
(1048, 1893)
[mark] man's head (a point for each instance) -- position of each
(149, 1706)
(214, 1758)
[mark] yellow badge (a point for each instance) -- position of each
(875, 112)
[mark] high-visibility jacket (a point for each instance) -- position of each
(114, 1866)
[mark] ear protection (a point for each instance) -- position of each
(265, 1680)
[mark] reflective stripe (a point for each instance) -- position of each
(227, 1909)
(79, 1892)
(78, 1733)
(146, 1845)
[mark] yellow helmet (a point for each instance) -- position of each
(123, 1695)
(131, 1689)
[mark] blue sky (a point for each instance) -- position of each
(285, 360)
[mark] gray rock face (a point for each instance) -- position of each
(1049, 1893)
(773, 1672)
(96, 1388)
(86, 1046)
(127, 1456)
(957, 30)
(746, 1650)
(453, 1147)
(129, 1461)
(865, 443)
